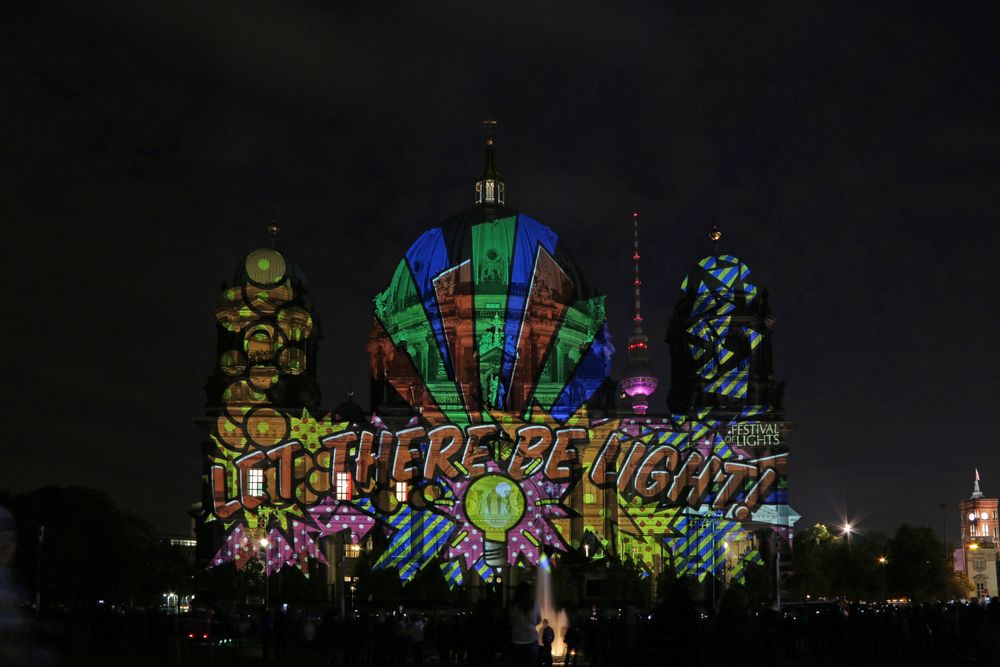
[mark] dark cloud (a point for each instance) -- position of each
(849, 152)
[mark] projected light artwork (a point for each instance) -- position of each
(490, 353)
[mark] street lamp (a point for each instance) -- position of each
(882, 560)
(848, 529)
(266, 545)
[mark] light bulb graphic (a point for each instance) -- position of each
(494, 504)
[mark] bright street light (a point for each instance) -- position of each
(266, 545)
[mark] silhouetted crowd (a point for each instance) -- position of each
(675, 632)
(681, 633)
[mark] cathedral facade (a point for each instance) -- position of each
(496, 438)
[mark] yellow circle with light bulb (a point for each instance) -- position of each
(494, 504)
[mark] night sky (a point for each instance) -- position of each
(850, 156)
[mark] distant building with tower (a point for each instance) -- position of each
(639, 381)
(980, 530)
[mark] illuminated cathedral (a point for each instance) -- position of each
(496, 440)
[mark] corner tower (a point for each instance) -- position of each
(979, 517)
(720, 343)
(976, 558)
(267, 336)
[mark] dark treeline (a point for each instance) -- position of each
(912, 564)
(91, 550)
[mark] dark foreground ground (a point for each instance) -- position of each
(817, 635)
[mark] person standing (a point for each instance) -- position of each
(571, 637)
(524, 617)
(416, 635)
(548, 636)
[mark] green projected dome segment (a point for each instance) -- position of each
(405, 320)
(492, 248)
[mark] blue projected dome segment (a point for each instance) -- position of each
(488, 312)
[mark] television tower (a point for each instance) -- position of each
(639, 381)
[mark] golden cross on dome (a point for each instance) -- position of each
(715, 235)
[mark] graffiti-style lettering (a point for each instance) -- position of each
(532, 443)
(339, 445)
(366, 461)
(564, 452)
(445, 445)
(632, 460)
(476, 453)
(406, 457)
(604, 465)
(735, 474)
(284, 454)
(220, 506)
(649, 481)
(694, 478)
(655, 473)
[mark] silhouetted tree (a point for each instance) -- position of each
(812, 558)
(92, 550)
(916, 566)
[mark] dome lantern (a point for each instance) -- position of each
(489, 187)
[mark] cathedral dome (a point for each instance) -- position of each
(477, 304)
(497, 230)
(487, 311)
